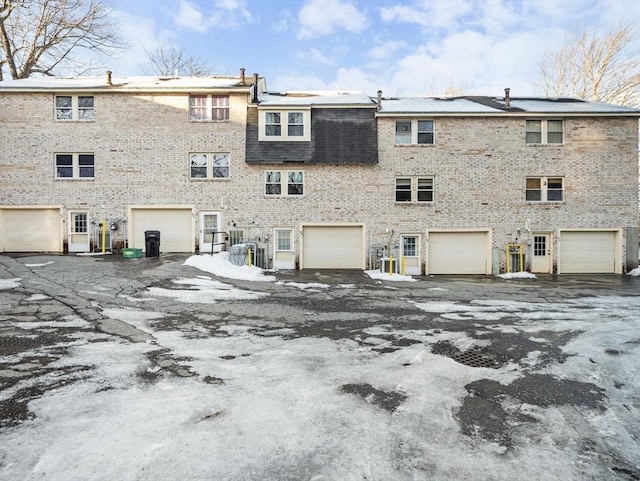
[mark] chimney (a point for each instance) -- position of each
(109, 82)
(255, 88)
(243, 81)
(507, 99)
(379, 101)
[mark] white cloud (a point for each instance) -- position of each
(315, 56)
(190, 17)
(428, 14)
(386, 49)
(324, 17)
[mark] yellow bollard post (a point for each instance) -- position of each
(104, 236)
(390, 265)
(249, 261)
(402, 265)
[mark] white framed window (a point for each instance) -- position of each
(209, 108)
(75, 166)
(75, 107)
(545, 189)
(414, 189)
(544, 131)
(207, 165)
(414, 132)
(284, 183)
(284, 125)
(284, 240)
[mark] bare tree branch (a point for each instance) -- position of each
(168, 60)
(49, 37)
(602, 68)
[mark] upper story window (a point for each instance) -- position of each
(209, 108)
(75, 166)
(285, 125)
(545, 189)
(544, 131)
(414, 189)
(414, 132)
(208, 165)
(284, 183)
(75, 107)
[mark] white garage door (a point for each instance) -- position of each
(458, 253)
(587, 252)
(175, 226)
(332, 247)
(31, 230)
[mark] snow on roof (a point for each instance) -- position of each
(491, 105)
(122, 83)
(316, 97)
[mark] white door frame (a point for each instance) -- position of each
(541, 252)
(415, 269)
(78, 240)
(205, 233)
(283, 258)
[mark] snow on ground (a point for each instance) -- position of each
(40, 265)
(10, 283)
(634, 272)
(219, 265)
(205, 290)
(276, 410)
(517, 275)
(385, 276)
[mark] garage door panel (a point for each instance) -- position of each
(587, 252)
(457, 252)
(175, 226)
(31, 230)
(332, 247)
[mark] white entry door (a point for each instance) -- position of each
(78, 237)
(210, 234)
(283, 255)
(541, 259)
(410, 245)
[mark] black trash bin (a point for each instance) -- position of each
(152, 243)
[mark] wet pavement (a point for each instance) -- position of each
(479, 322)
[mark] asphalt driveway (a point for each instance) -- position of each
(149, 369)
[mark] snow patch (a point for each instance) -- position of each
(219, 265)
(385, 276)
(10, 283)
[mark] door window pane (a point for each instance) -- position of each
(540, 245)
(410, 246)
(283, 240)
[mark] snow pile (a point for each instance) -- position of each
(385, 276)
(219, 265)
(517, 275)
(634, 272)
(10, 283)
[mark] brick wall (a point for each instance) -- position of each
(142, 141)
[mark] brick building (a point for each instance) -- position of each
(318, 179)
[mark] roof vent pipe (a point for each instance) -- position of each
(379, 101)
(507, 99)
(109, 82)
(255, 87)
(243, 81)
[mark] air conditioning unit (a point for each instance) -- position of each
(385, 265)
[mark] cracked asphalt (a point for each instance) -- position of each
(58, 295)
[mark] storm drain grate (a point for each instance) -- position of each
(475, 359)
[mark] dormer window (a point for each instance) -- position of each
(285, 125)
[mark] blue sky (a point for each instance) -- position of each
(402, 47)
